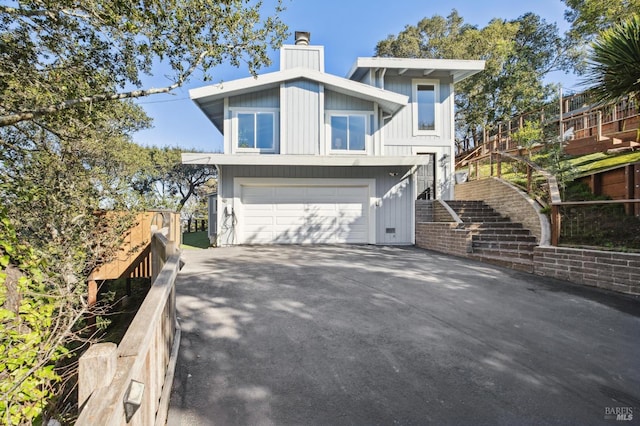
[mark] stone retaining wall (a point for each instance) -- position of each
(444, 237)
(615, 271)
(604, 269)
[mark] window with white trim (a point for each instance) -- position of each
(425, 107)
(255, 130)
(348, 132)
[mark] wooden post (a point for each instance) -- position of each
(629, 209)
(96, 369)
(636, 187)
(599, 124)
(529, 178)
(561, 130)
(555, 224)
(491, 164)
(596, 184)
(499, 165)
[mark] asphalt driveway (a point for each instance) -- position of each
(364, 335)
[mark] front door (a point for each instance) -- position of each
(426, 178)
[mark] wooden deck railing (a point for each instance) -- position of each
(580, 120)
(130, 383)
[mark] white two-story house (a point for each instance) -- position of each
(311, 157)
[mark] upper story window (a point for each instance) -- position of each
(425, 107)
(255, 130)
(348, 132)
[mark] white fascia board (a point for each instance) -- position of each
(235, 87)
(459, 68)
(301, 160)
(389, 101)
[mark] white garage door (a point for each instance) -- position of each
(304, 214)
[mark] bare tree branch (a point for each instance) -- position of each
(10, 119)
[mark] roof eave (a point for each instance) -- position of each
(464, 67)
(390, 101)
(301, 160)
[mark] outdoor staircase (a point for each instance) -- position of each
(495, 238)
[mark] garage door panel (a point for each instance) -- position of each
(287, 221)
(320, 194)
(289, 193)
(304, 214)
(258, 220)
(250, 193)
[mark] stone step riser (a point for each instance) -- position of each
(476, 219)
(489, 226)
(505, 237)
(504, 245)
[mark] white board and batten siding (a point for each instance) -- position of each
(334, 101)
(300, 118)
(399, 129)
(390, 216)
(298, 56)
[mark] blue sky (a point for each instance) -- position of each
(348, 29)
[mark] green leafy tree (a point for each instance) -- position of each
(68, 72)
(614, 62)
(589, 17)
(518, 54)
(57, 55)
(164, 182)
(528, 136)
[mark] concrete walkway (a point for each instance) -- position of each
(363, 335)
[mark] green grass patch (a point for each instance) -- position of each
(195, 240)
(601, 161)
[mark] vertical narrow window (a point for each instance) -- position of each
(256, 130)
(426, 107)
(348, 132)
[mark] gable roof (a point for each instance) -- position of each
(208, 98)
(459, 69)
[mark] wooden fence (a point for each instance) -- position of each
(130, 383)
